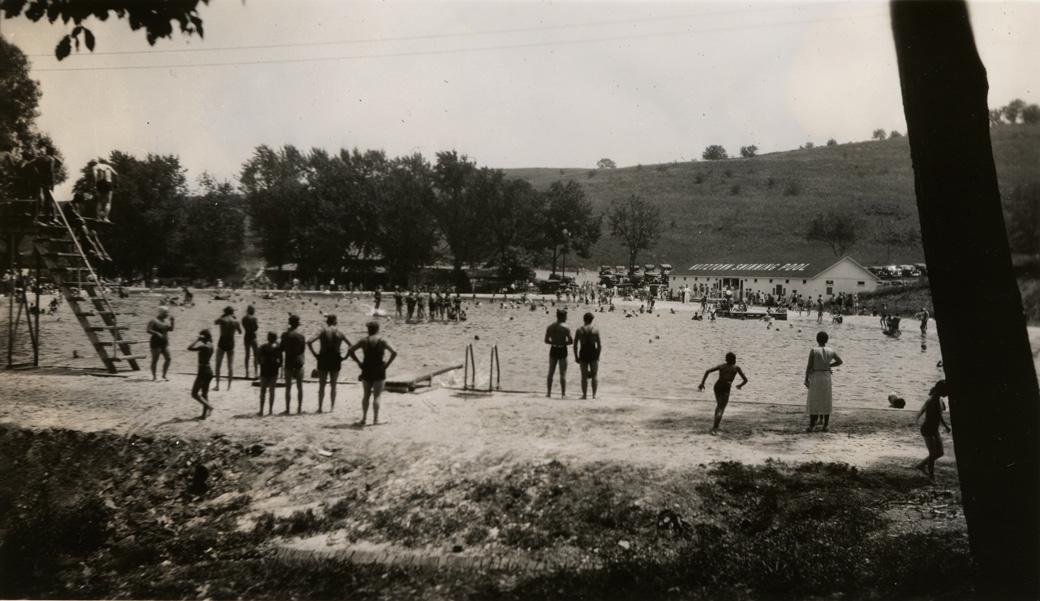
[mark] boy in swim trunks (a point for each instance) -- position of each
(558, 337)
(728, 371)
(293, 346)
(269, 356)
(329, 358)
(587, 347)
(226, 343)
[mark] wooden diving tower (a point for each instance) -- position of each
(61, 250)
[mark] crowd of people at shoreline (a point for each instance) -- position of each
(281, 356)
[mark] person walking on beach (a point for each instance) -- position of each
(203, 345)
(728, 371)
(329, 358)
(251, 326)
(819, 309)
(226, 343)
(293, 346)
(269, 357)
(818, 380)
(932, 412)
(587, 347)
(373, 368)
(159, 343)
(558, 337)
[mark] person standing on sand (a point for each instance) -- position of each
(160, 341)
(203, 345)
(818, 381)
(728, 371)
(269, 357)
(373, 368)
(329, 358)
(293, 346)
(587, 347)
(558, 337)
(226, 343)
(932, 412)
(251, 326)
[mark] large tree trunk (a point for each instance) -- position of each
(989, 366)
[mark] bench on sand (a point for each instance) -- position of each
(409, 382)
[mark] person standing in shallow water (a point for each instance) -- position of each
(818, 380)
(373, 368)
(587, 347)
(558, 337)
(728, 371)
(203, 345)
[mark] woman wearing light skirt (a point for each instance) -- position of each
(818, 381)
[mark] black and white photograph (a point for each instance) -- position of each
(520, 299)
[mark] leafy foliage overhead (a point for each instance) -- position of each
(157, 17)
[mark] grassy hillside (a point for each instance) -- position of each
(745, 209)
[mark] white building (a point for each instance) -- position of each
(779, 279)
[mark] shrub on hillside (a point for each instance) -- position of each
(793, 187)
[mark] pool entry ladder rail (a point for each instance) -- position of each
(494, 373)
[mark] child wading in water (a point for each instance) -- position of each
(728, 371)
(932, 412)
(203, 345)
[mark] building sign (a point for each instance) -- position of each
(749, 267)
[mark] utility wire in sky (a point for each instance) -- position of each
(438, 35)
(455, 51)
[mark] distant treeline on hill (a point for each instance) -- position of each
(760, 208)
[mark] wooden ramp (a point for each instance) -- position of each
(409, 382)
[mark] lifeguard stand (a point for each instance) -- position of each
(58, 252)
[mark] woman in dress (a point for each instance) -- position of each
(818, 381)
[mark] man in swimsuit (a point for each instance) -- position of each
(250, 325)
(328, 358)
(203, 345)
(160, 341)
(558, 337)
(728, 371)
(373, 368)
(226, 343)
(104, 183)
(293, 346)
(587, 347)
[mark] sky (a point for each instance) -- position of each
(510, 84)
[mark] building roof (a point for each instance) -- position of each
(763, 269)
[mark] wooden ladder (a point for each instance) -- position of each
(67, 263)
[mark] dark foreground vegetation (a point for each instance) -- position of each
(86, 515)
